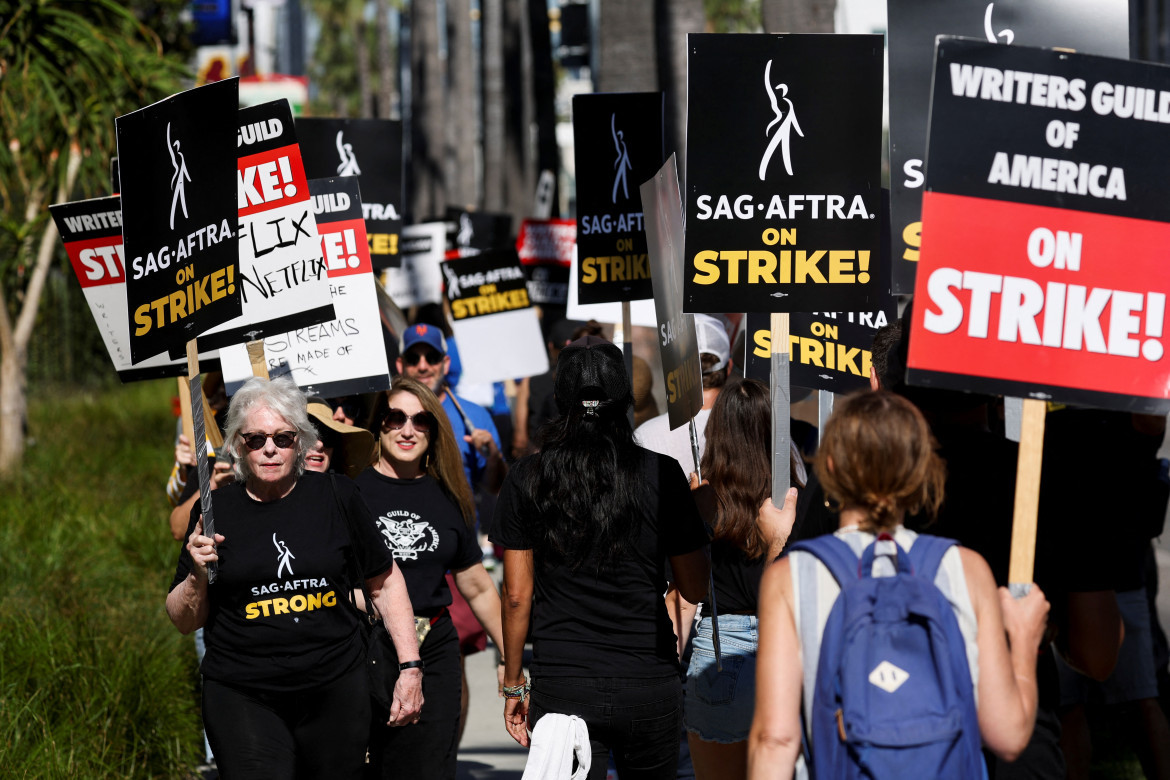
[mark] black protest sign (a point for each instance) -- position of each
(618, 144)
(546, 249)
(480, 230)
(678, 343)
(782, 195)
(829, 350)
(487, 283)
(1088, 26)
(282, 273)
(370, 149)
(1045, 220)
(177, 160)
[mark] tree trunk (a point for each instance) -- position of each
(386, 81)
(626, 50)
(493, 102)
(12, 411)
(462, 136)
(797, 16)
(427, 120)
(361, 53)
(676, 18)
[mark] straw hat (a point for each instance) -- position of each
(355, 447)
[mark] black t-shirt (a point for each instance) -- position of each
(736, 578)
(612, 623)
(279, 616)
(425, 532)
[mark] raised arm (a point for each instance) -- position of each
(187, 604)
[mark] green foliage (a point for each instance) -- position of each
(94, 680)
(732, 16)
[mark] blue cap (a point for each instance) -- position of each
(424, 334)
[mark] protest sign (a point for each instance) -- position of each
(677, 343)
(1042, 272)
(92, 233)
(783, 172)
(418, 281)
(282, 273)
(641, 312)
(828, 350)
(370, 149)
(618, 144)
(546, 250)
(488, 295)
(346, 355)
(1088, 26)
(177, 160)
(478, 230)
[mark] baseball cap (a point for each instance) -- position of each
(712, 340)
(592, 368)
(425, 334)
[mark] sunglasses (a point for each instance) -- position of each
(433, 357)
(282, 440)
(396, 418)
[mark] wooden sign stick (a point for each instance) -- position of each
(1023, 555)
(199, 442)
(256, 358)
(185, 411)
(781, 410)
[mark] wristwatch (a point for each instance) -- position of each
(417, 664)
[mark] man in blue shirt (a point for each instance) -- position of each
(423, 357)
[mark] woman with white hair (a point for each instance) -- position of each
(285, 688)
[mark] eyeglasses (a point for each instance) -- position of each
(283, 440)
(396, 418)
(433, 357)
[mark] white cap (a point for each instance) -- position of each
(712, 340)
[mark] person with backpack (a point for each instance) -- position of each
(885, 653)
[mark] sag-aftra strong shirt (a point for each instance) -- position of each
(280, 617)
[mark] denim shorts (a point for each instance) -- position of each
(719, 704)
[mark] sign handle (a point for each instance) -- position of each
(781, 410)
(185, 410)
(256, 358)
(628, 351)
(824, 411)
(199, 442)
(1023, 555)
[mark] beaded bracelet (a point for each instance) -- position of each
(516, 691)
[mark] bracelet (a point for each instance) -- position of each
(516, 691)
(415, 664)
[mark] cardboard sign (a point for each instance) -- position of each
(346, 355)
(418, 280)
(1043, 271)
(783, 172)
(282, 273)
(677, 342)
(488, 295)
(92, 233)
(829, 350)
(1088, 26)
(370, 149)
(546, 249)
(480, 230)
(618, 143)
(641, 312)
(178, 173)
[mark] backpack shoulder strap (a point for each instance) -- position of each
(926, 555)
(837, 556)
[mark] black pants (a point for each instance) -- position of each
(315, 733)
(638, 719)
(425, 750)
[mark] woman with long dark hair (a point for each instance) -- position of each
(587, 526)
(748, 533)
(424, 512)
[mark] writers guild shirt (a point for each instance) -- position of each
(422, 527)
(280, 617)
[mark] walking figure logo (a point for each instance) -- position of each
(622, 163)
(179, 163)
(466, 230)
(283, 554)
(1007, 35)
(349, 163)
(453, 289)
(783, 135)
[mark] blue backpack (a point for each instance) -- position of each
(893, 695)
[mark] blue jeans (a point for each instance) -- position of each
(638, 719)
(719, 704)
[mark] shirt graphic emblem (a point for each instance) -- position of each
(406, 534)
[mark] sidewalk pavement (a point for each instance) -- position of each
(487, 752)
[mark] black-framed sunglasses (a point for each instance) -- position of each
(283, 439)
(394, 419)
(433, 357)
